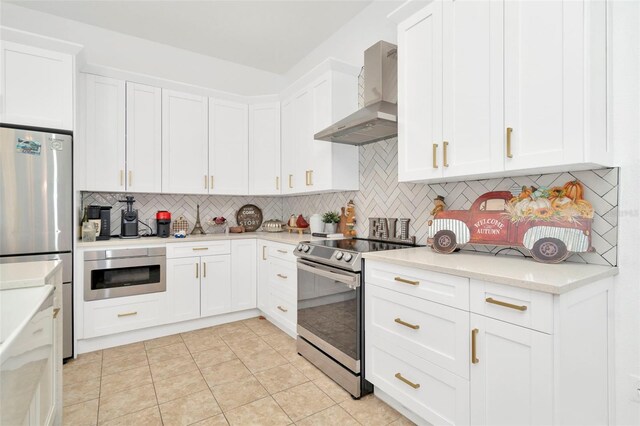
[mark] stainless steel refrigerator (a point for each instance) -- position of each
(36, 205)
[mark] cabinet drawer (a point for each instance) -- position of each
(189, 249)
(110, 316)
(437, 333)
(283, 277)
(280, 251)
(283, 308)
(527, 308)
(436, 395)
(446, 289)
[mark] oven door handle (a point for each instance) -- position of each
(349, 279)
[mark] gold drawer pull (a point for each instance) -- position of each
(206, 181)
(445, 163)
(410, 383)
(200, 248)
(56, 311)
(204, 270)
(520, 308)
(406, 281)
(264, 252)
(474, 336)
(283, 251)
(509, 153)
(406, 324)
(284, 277)
(290, 181)
(121, 177)
(130, 181)
(282, 309)
(277, 183)
(435, 153)
(128, 314)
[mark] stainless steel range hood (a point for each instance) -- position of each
(378, 119)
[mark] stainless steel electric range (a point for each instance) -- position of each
(331, 307)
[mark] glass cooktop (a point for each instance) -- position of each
(360, 245)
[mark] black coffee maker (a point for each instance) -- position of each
(129, 219)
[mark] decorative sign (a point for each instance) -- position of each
(552, 223)
(249, 216)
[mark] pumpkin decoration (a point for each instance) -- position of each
(556, 192)
(574, 190)
(526, 193)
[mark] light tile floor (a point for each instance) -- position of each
(242, 373)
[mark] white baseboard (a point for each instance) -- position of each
(399, 407)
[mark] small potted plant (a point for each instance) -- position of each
(330, 220)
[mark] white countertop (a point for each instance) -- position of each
(509, 270)
(279, 237)
(27, 274)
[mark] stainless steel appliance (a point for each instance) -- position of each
(378, 119)
(124, 272)
(36, 205)
(331, 307)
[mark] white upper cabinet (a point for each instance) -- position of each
(316, 102)
(264, 149)
(36, 87)
(185, 147)
(484, 88)
(144, 138)
(228, 147)
(104, 133)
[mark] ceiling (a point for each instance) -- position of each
(268, 35)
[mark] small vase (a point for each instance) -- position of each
(330, 228)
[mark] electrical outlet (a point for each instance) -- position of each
(635, 383)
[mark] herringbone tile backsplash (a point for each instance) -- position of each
(381, 195)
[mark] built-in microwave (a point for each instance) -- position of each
(124, 272)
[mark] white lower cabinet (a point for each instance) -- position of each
(243, 274)
(487, 353)
(215, 285)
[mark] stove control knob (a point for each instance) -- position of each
(300, 246)
(339, 255)
(306, 248)
(348, 257)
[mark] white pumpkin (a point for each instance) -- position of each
(540, 203)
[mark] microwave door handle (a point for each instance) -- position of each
(350, 280)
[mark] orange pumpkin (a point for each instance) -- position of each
(526, 193)
(556, 192)
(573, 190)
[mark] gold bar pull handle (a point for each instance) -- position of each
(130, 180)
(409, 382)
(306, 177)
(435, 153)
(264, 252)
(206, 182)
(493, 301)
(406, 324)
(121, 177)
(282, 251)
(284, 277)
(128, 314)
(212, 182)
(56, 311)
(406, 281)
(290, 181)
(445, 163)
(277, 183)
(200, 248)
(282, 309)
(474, 337)
(509, 153)
(197, 269)
(204, 270)
(310, 177)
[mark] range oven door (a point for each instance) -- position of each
(329, 304)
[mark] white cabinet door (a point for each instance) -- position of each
(183, 288)
(292, 182)
(262, 286)
(512, 378)
(215, 285)
(264, 149)
(319, 153)
(144, 138)
(472, 116)
(544, 82)
(185, 146)
(228, 147)
(303, 139)
(243, 274)
(420, 95)
(36, 87)
(104, 133)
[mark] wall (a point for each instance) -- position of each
(115, 50)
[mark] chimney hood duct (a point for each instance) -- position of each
(378, 119)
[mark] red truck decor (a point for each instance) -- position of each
(551, 223)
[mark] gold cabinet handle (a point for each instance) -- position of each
(283, 251)
(56, 311)
(406, 281)
(435, 153)
(212, 182)
(445, 163)
(310, 178)
(282, 309)
(200, 248)
(406, 324)
(128, 314)
(409, 382)
(474, 337)
(121, 177)
(290, 181)
(520, 308)
(306, 177)
(509, 153)
(130, 180)
(277, 183)
(204, 270)
(284, 277)
(197, 269)
(206, 182)
(264, 252)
